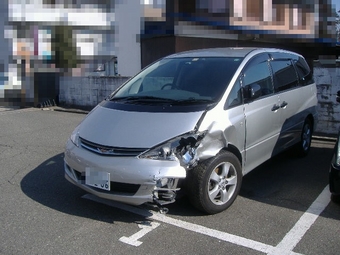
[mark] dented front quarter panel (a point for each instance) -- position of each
(224, 128)
(213, 141)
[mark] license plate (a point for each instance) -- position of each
(100, 180)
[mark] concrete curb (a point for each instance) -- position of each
(326, 138)
(70, 110)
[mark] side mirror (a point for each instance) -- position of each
(252, 91)
(338, 96)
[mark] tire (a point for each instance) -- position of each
(214, 184)
(335, 198)
(306, 139)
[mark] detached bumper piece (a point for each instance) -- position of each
(165, 193)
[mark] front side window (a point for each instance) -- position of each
(259, 73)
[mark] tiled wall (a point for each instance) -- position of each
(87, 91)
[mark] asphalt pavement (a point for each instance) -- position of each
(284, 205)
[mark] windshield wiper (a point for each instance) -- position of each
(152, 99)
(141, 99)
(195, 101)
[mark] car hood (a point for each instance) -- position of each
(132, 129)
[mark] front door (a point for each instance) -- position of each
(262, 115)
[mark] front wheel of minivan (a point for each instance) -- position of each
(306, 139)
(214, 184)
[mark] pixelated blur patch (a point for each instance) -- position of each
(97, 179)
(64, 47)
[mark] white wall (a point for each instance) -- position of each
(327, 79)
(87, 91)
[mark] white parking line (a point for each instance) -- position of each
(284, 247)
(145, 228)
(294, 236)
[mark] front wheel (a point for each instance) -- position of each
(214, 184)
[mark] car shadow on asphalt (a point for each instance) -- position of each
(47, 185)
(284, 181)
(291, 182)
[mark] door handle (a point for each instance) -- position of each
(284, 104)
(275, 107)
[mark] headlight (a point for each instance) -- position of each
(75, 137)
(182, 148)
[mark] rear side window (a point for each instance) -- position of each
(284, 75)
(304, 72)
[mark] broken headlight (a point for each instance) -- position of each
(182, 148)
(75, 137)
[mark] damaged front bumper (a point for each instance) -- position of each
(132, 180)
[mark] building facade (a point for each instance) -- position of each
(48, 39)
(118, 38)
(305, 26)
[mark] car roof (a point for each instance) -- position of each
(215, 52)
(224, 52)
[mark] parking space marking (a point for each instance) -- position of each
(186, 225)
(294, 236)
(146, 227)
(285, 247)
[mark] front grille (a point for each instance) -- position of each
(109, 150)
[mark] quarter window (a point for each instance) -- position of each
(235, 96)
(304, 72)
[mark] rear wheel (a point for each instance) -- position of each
(215, 183)
(306, 138)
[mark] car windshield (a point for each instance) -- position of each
(180, 80)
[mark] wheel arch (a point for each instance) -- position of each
(233, 149)
(200, 178)
(310, 117)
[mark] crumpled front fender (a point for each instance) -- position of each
(215, 140)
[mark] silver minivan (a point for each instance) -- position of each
(195, 121)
